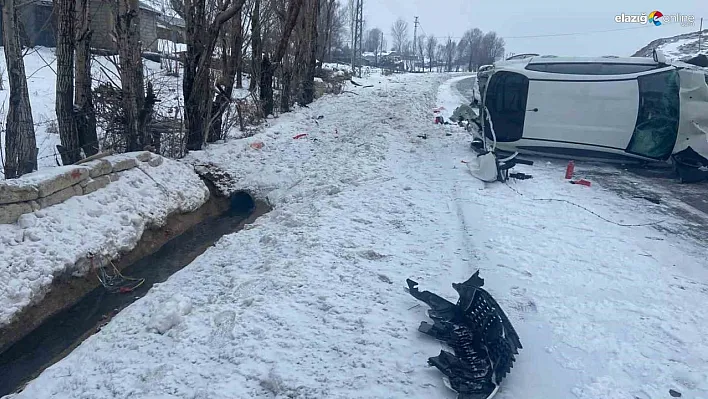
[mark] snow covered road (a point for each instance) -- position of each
(309, 302)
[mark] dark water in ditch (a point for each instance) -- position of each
(61, 333)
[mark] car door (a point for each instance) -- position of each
(596, 113)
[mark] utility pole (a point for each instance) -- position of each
(353, 26)
(360, 30)
(358, 34)
(415, 39)
(382, 49)
(700, 35)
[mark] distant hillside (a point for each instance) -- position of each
(677, 47)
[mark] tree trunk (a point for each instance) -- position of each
(201, 41)
(286, 93)
(266, 86)
(225, 84)
(86, 115)
(238, 48)
(256, 46)
(65, 83)
(20, 142)
(267, 67)
(308, 89)
(327, 32)
(131, 73)
(152, 140)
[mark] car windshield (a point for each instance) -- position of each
(658, 116)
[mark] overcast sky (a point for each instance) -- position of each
(513, 18)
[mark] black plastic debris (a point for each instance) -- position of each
(653, 200)
(690, 166)
(477, 330)
(520, 176)
(674, 394)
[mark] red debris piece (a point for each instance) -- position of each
(299, 136)
(570, 170)
(75, 174)
(582, 182)
(257, 145)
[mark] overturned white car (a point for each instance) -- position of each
(604, 108)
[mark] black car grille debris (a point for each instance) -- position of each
(480, 334)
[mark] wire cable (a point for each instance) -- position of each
(585, 209)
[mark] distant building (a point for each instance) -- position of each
(38, 23)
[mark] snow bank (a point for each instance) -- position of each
(50, 242)
(308, 301)
(170, 47)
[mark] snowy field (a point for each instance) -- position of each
(308, 302)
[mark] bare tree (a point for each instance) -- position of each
(460, 52)
(237, 46)
(440, 56)
(399, 35)
(127, 27)
(20, 142)
(328, 17)
(450, 48)
(269, 65)
(256, 46)
(70, 149)
(430, 47)
(231, 50)
(491, 48)
(86, 114)
(308, 91)
(373, 40)
(202, 36)
(473, 37)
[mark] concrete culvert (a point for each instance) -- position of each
(241, 203)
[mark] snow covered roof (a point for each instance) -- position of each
(148, 7)
(171, 20)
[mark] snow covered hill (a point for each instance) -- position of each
(678, 47)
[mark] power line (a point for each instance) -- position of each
(575, 33)
(549, 34)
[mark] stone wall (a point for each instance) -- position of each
(52, 186)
